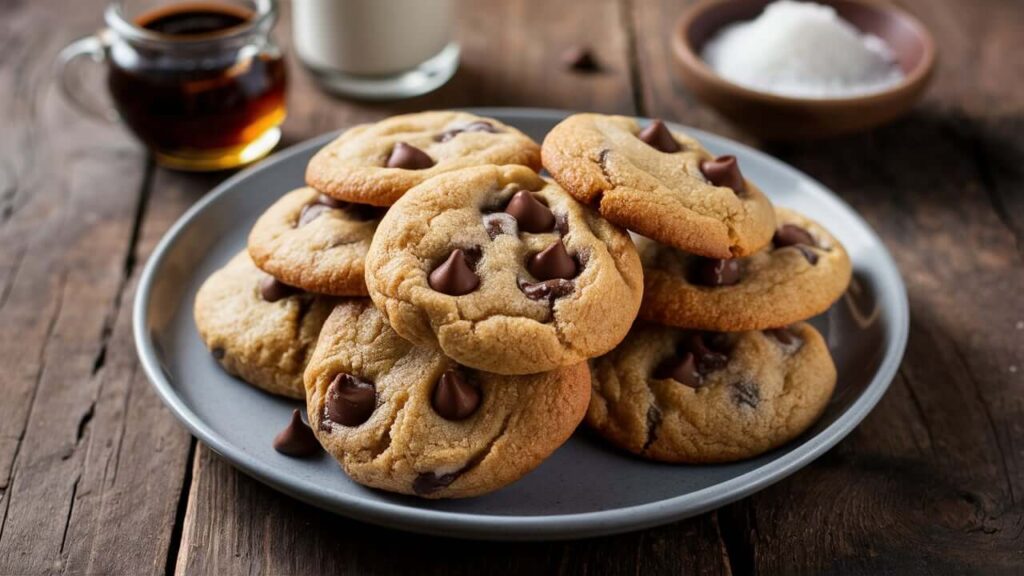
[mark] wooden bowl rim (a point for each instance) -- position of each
(692, 62)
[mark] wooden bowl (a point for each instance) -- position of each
(792, 118)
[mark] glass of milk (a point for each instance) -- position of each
(376, 49)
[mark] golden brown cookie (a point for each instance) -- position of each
(677, 396)
(257, 328)
(799, 275)
(658, 183)
(315, 242)
(407, 419)
(504, 271)
(377, 163)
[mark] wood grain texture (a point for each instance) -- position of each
(931, 482)
(96, 477)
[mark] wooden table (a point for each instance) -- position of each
(96, 477)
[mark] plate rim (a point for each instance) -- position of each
(536, 527)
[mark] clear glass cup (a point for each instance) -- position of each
(376, 49)
(202, 85)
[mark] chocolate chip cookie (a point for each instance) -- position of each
(258, 328)
(799, 275)
(377, 163)
(503, 270)
(659, 183)
(407, 419)
(677, 396)
(315, 242)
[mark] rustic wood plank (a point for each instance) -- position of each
(234, 524)
(931, 481)
(81, 436)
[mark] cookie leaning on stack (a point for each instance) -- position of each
(716, 257)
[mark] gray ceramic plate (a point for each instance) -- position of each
(586, 488)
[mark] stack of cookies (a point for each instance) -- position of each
(450, 317)
(720, 365)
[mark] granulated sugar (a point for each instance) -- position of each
(802, 49)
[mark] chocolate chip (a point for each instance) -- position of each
(455, 397)
(714, 272)
(428, 482)
(350, 401)
(808, 254)
(272, 289)
(548, 289)
(707, 359)
(296, 439)
(657, 135)
(409, 157)
(454, 276)
(682, 369)
(746, 393)
(562, 224)
(580, 59)
(724, 171)
(531, 214)
(500, 223)
(310, 212)
(791, 235)
(475, 126)
(552, 262)
(218, 353)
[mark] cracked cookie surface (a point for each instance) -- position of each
(550, 286)
(315, 243)
(264, 343)
(366, 164)
(688, 397)
(799, 275)
(375, 401)
(664, 195)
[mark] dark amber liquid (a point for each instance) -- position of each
(183, 104)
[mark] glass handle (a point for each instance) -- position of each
(70, 86)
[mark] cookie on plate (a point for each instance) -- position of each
(505, 271)
(258, 328)
(314, 242)
(799, 275)
(407, 419)
(659, 183)
(690, 397)
(377, 163)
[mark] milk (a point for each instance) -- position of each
(370, 37)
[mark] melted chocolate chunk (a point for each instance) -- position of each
(310, 212)
(532, 215)
(746, 393)
(657, 136)
(455, 397)
(682, 369)
(783, 335)
(296, 439)
(454, 276)
(724, 171)
(428, 482)
(808, 253)
(476, 126)
(552, 262)
(218, 353)
(791, 235)
(708, 360)
(714, 272)
(408, 157)
(350, 401)
(500, 223)
(548, 289)
(272, 289)
(653, 422)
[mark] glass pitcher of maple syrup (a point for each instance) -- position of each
(202, 84)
